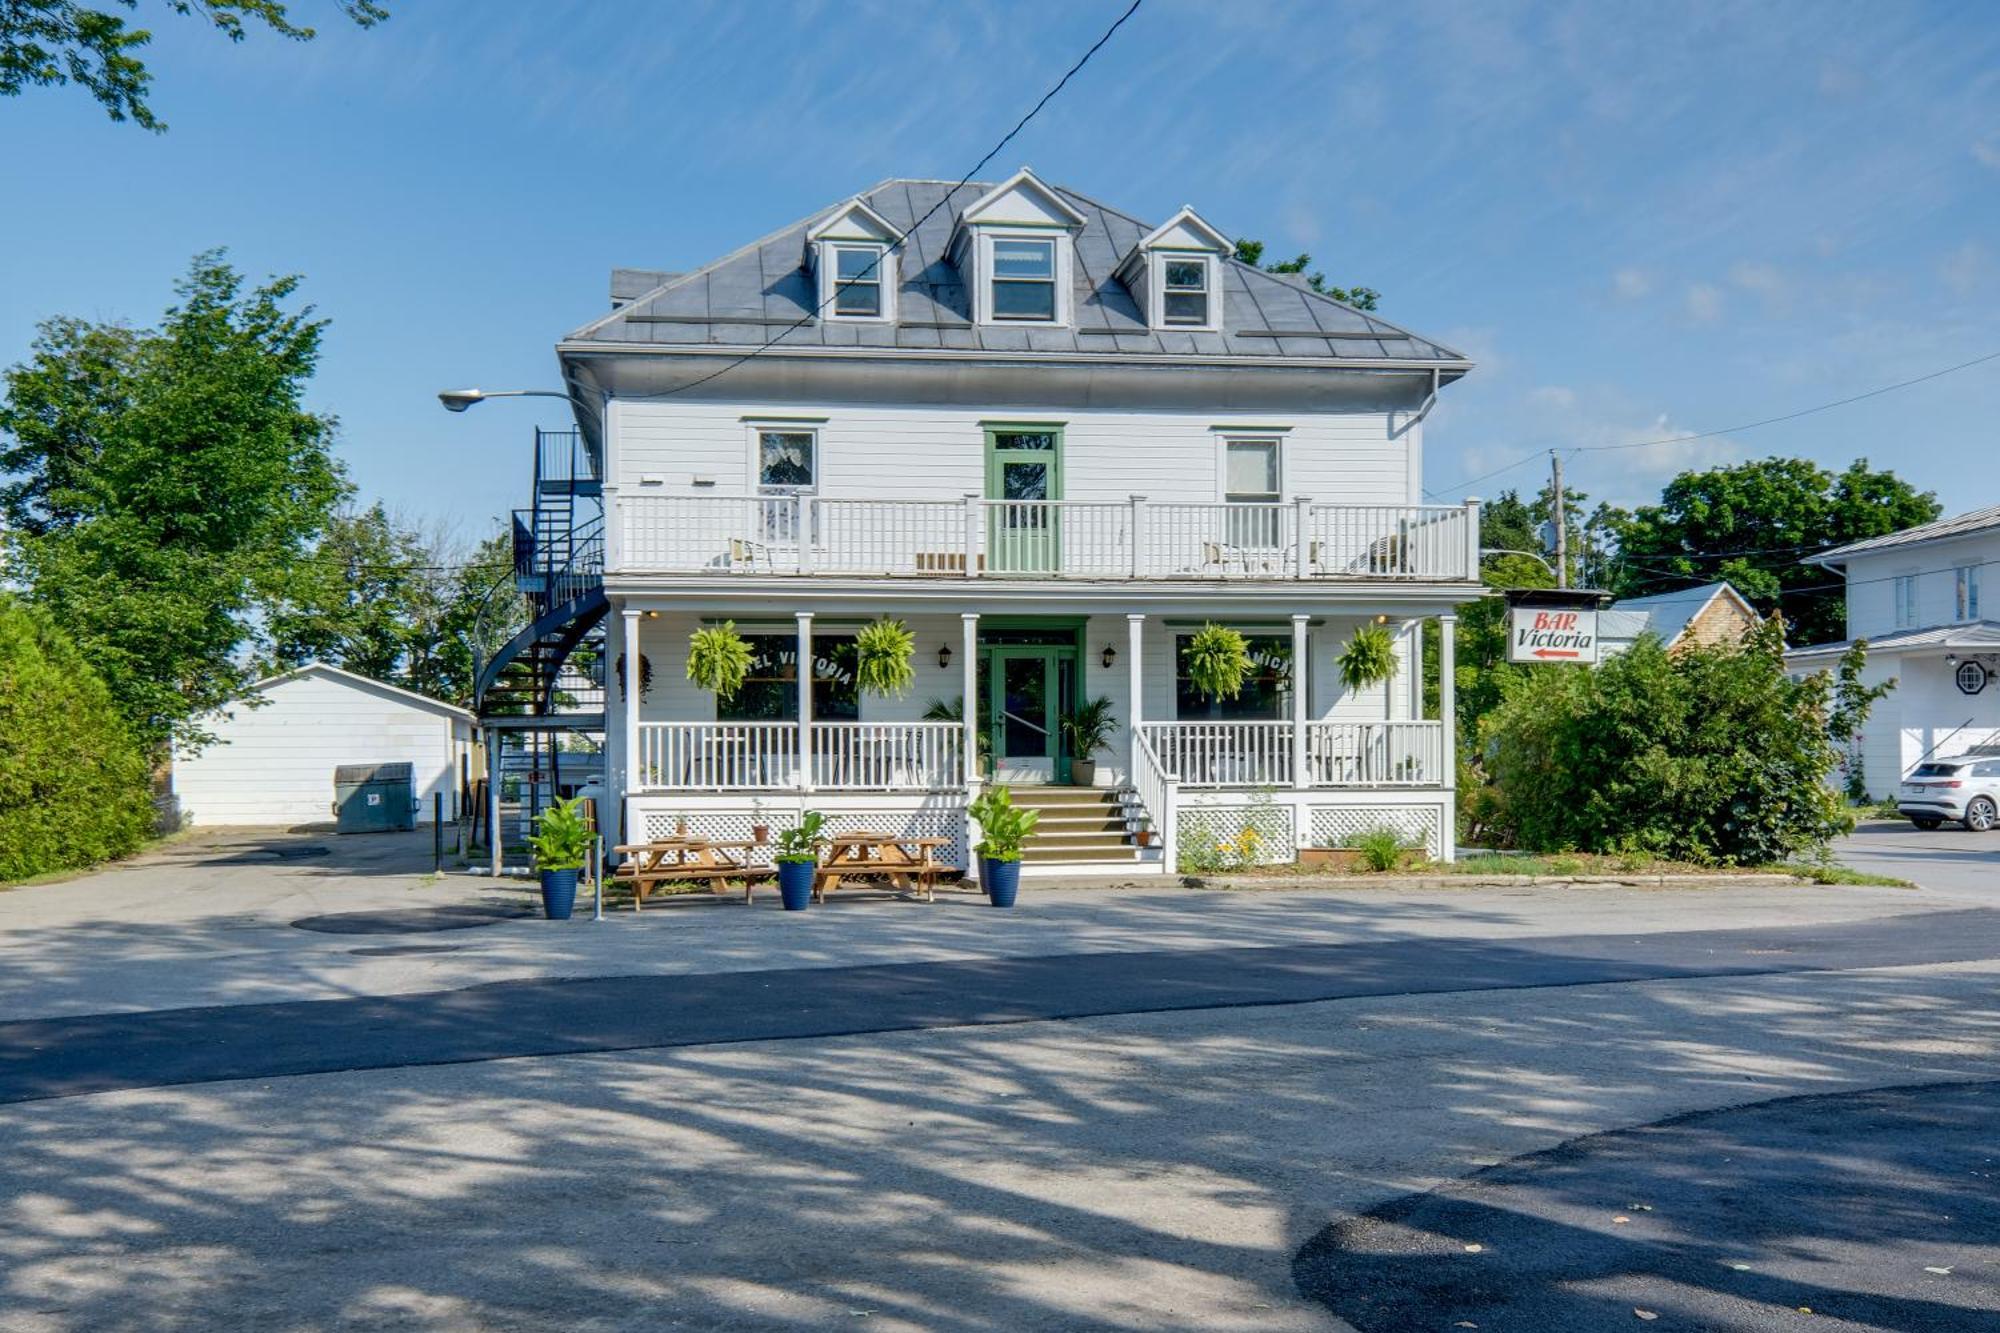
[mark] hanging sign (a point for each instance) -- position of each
(1551, 634)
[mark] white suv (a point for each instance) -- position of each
(1965, 788)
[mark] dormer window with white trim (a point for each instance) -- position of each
(1024, 279)
(857, 281)
(1184, 288)
(1175, 274)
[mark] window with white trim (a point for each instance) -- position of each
(787, 468)
(1024, 279)
(858, 272)
(1966, 592)
(1184, 290)
(1905, 588)
(1252, 475)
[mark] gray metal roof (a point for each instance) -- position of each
(1668, 613)
(1964, 525)
(1971, 635)
(751, 296)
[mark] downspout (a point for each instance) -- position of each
(1424, 408)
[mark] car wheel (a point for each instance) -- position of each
(1928, 825)
(1982, 815)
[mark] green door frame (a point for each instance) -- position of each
(1065, 672)
(1014, 548)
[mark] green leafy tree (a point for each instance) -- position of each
(441, 661)
(73, 784)
(351, 601)
(1754, 523)
(1709, 753)
(51, 42)
(163, 484)
(1361, 298)
(1510, 523)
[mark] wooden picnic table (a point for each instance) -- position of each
(909, 864)
(680, 860)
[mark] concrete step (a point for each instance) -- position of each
(1040, 797)
(1086, 852)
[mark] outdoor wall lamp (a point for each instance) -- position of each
(944, 657)
(1108, 656)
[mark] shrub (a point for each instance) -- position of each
(73, 783)
(1381, 848)
(1708, 754)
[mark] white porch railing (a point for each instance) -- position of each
(975, 538)
(846, 756)
(1259, 754)
(1159, 795)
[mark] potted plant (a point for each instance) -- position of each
(1003, 827)
(882, 658)
(1087, 728)
(561, 846)
(1369, 658)
(760, 831)
(798, 860)
(1218, 661)
(718, 659)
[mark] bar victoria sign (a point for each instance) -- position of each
(1551, 634)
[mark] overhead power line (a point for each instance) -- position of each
(963, 181)
(1726, 430)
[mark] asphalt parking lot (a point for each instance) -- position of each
(1948, 861)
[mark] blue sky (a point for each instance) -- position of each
(1643, 220)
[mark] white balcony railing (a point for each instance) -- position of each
(1064, 539)
(846, 756)
(1259, 754)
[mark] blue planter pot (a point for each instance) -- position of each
(1002, 880)
(558, 894)
(795, 884)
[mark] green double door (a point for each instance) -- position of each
(1029, 689)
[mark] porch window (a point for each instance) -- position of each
(1251, 477)
(771, 691)
(1905, 588)
(1024, 280)
(1184, 291)
(1267, 691)
(1967, 592)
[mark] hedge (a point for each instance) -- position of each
(74, 787)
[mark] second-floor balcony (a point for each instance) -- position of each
(1048, 539)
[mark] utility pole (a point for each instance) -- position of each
(1561, 520)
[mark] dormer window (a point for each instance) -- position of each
(1024, 279)
(857, 281)
(1184, 290)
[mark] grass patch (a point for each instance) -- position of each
(1826, 872)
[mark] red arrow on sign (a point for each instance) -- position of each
(1555, 652)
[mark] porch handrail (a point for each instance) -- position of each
(1404, 753)
(1223, 754)
(888, 756)
(717, 756)
(1159, 797)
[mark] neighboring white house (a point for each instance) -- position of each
(1923, 599)
(1054, 441)
(1711, 613)
(273, 758)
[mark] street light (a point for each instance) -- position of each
(457, 400)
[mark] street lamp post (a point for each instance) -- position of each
(457, 400)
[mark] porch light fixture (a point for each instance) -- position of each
(652, 615)
(1108, 656)
(944, 657)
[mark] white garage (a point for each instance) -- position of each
(274, 755)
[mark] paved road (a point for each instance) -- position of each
(1872, 1211)
(1949, 861)
(59, 1057)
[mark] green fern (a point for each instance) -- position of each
(1218, 661)
(718, 659)
(882, 658)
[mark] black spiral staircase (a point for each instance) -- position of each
(539, 638)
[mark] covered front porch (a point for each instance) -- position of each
(1296, 740)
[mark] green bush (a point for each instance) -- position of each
(1381, 848)
(73, 784)
(1708, 754)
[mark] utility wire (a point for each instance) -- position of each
(875, 263)
(1726, 430)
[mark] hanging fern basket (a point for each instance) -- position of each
(1218, 661)
(1368, 659)
(883, 654)
(718, 659)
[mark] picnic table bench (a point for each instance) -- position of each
(684, 860)
(909, 864)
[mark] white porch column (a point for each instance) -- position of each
(1301, 779)
(629, 678)
(1448, 728)
(968, 740)
(1135, 639)
(1413, 647)
(805, 682)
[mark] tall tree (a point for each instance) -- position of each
(50, 42)
(1361, 298)
(1755, 523)
(350, 601)
(163, 483)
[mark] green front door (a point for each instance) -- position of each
(1026, 703)
(1023, 465)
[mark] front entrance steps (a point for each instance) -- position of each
(1078, 826)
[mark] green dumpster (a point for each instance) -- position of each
(373, 798)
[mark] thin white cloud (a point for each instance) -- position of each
(1966, 269)
(1704, 303)
(1631, 284)
(1987, 151)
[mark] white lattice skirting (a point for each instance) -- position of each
(737, 826)
(1267, 831)
(1273, 832)
(1337, 826)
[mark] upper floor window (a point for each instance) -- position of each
(1024, 279)
(787, 461)
(1966, 592)
(1184, 291)
(857, 281)
(1905, 588)
(1251, 476)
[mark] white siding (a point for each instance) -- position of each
(885, 452)
(274, 764)
(1871, 588)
